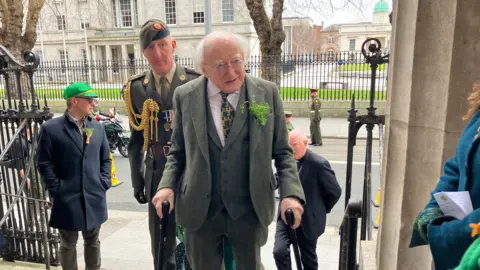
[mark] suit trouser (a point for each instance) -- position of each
(154, 227)
(68, 249)
(281, 248)
(205, 245)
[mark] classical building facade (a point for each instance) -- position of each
(108, 29)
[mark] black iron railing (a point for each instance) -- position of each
(348, 235)
(337, 75)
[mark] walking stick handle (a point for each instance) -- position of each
(290, 218)
(296, 251)
(163, 235)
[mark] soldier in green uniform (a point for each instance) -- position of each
(315, 118)
(288, 118)
(148, 99)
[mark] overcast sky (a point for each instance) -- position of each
(348, 15)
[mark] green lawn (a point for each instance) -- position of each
(287, 93)
(358, 67)
(292, 93)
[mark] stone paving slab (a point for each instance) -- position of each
(125, 245)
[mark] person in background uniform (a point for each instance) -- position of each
(288, 118)
(322, 192)
(149, 96)
(315, 118)
(73, 159)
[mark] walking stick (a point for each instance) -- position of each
(293, 237)
(163, 235)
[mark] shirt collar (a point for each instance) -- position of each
(213, 89)
(75, 120)
(169, 75)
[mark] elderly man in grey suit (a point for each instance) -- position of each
(227, 128)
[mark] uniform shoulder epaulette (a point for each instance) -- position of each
(137, 76)
(192, 71)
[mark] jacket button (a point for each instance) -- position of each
(207, 195)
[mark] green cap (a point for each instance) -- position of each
(79, 89)
(151, 30)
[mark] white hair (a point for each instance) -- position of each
(220, 35)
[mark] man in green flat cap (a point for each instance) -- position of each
(73, 159)
(156, 86)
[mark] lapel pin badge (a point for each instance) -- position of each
(182, 77)
(145, 82)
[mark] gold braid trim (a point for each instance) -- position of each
(148, 118)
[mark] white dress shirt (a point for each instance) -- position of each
(215, 100)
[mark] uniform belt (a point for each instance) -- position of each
(157, 150)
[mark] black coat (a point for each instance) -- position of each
(322, 192)
(76, 174)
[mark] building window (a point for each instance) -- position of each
(85, 25)
(125, 13)
(331, 39)
(170, 12)
(227, 11)
(331, 55)
(61, 23)
(198, 11)
(63, 59)
(352, 45)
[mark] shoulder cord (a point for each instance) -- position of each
(148, 118)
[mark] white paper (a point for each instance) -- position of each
(455, 204)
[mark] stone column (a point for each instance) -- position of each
(95, 62)
(125, 63)
(434, 62)
(109, 64)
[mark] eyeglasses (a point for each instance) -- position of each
(90, 100)
(222, 67)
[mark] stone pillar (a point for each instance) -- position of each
(125, 62)
(95, 62)
(109, 64)
(434, 62)
(138, 58)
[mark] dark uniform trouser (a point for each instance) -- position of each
(154, 227)
(315, 132)
(281, 249)
(205, 245)
(68, 249)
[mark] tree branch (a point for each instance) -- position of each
(30, 36)
(260, 21)
(5, 17)
(276, 24)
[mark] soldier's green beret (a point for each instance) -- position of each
(79, 89)
(151, 30)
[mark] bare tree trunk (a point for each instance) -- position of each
(16, 41)
(271, 36)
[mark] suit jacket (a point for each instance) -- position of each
(189, 161)
(76, 174)
(142, 88)
(449, 237)
(322, 192)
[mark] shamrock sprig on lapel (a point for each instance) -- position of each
(89, 133)
(259, 109)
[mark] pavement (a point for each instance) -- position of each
(125, 240)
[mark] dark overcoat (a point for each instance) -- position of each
(76, 174)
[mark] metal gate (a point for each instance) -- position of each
(24, 208)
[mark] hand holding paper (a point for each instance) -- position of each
(455, 204)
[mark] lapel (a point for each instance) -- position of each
(256, 94)
(179, 78)
(150, 90)
(239, 119)
(199, 116)
(305, 167)
(70, 128)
